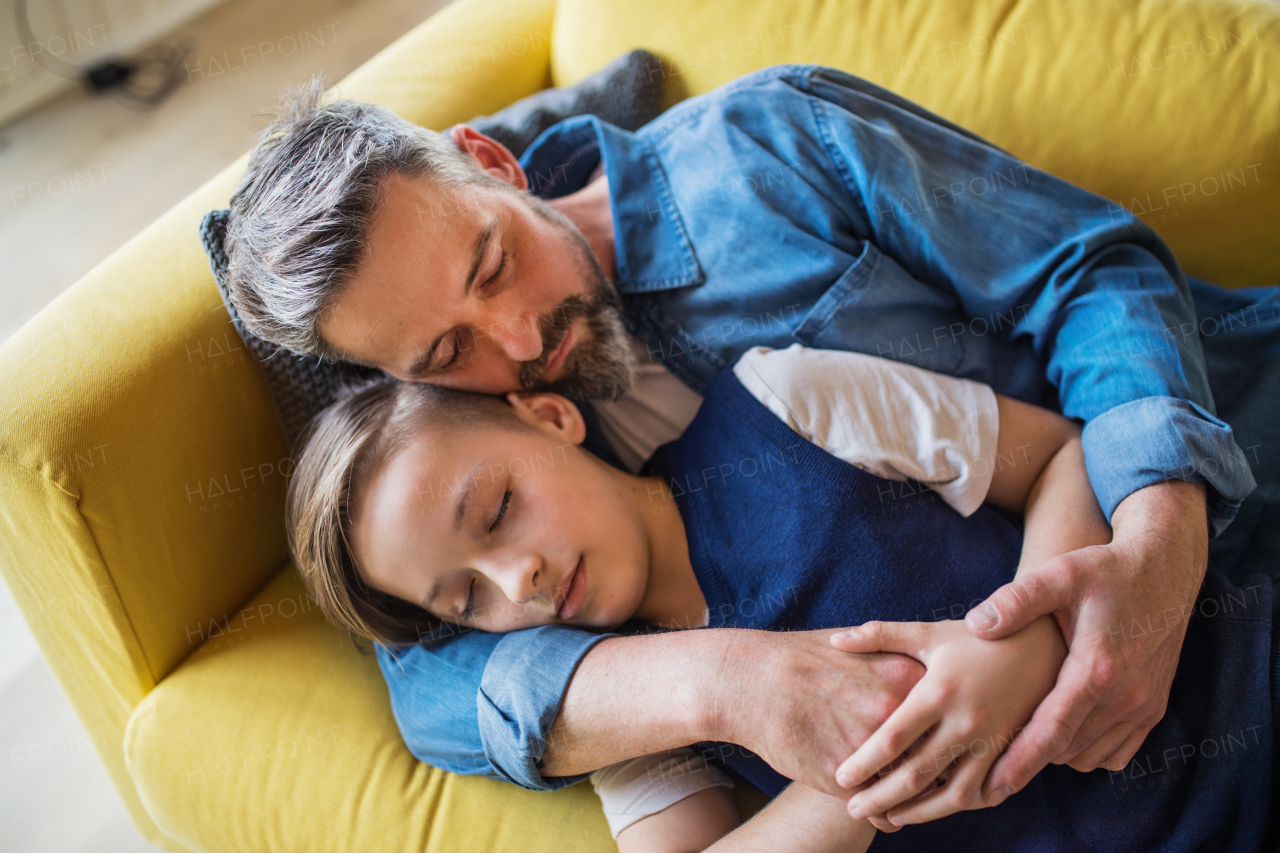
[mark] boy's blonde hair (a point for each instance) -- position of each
(343, 448)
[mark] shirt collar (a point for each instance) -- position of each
(652, 250)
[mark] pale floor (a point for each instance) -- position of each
(130, 167)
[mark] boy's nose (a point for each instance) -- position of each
(520, 580)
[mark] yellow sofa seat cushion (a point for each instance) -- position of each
(278, 735)
(1170, 109)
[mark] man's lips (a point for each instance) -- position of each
(569, 595)
(558, 355)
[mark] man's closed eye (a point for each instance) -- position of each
(455, 340)
(502, 265)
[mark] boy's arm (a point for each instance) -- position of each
(673, 801)
(799, 820)
(691, 825)
(977, 694)
(802, 820)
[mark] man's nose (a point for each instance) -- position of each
(518, 335)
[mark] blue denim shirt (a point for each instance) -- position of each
(802, 204)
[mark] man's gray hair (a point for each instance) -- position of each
(300, 216)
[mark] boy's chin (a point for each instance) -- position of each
(597, 622)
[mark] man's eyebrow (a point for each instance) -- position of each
(478, 251)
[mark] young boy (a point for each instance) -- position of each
(792, 502)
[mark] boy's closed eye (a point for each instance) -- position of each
(502, 511)
(469, 610)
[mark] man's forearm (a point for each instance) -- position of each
(1165, 527)
(633, 696)
(789, 696)
(1172, 512)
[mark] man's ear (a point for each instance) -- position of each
(491, 154)
(550, 411)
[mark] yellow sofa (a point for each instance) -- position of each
(142, 469)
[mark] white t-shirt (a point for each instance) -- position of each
(894, 420)
(891, 419)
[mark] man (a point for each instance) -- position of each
(795, 204)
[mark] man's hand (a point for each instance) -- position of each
(803, 705)
(791, 697)
(1123, 610)
(957, 721)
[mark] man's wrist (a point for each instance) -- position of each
(1165, 530)
(635, 695)
(1169, 513)
(715, 683)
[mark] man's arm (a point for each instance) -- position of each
(1104, 304)
(1114, 687)
(1095, 291)
(790, 697)
(544, 706)
(978, 693)
(478, 703)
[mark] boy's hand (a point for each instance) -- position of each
(1114, 688)
(974, 698)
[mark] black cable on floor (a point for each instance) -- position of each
(125, 79)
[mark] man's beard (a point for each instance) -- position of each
(602, 367)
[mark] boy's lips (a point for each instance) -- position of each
(572, 588)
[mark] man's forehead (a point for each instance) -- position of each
(417, 219)
(413, 263)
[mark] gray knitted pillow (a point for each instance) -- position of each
(626, 93)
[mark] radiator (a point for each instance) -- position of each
(80, 32)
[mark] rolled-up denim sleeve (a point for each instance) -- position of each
(1098, 293)
(1180, 440)
(481, 703)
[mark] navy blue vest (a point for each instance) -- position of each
(785, 536)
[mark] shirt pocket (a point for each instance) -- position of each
(878, 308)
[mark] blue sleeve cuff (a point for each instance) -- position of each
(520, 695)
(433, 697)
(1154, 439)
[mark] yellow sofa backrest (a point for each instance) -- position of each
(1171, 109)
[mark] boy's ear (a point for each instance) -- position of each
(492, 155)
(550, 411)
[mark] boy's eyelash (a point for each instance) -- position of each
(502, 511)
(471, 600)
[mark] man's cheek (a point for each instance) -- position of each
(487, 371)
